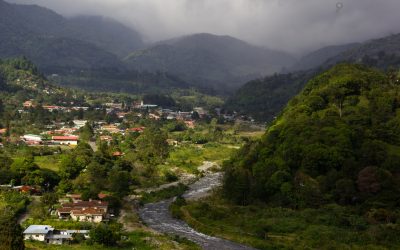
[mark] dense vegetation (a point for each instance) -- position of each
(335, 142)
(263, 99)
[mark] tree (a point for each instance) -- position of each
(49, 199)
(86, 133)
(104, 235)
(152, 147)
(10, 232)
(119, 182)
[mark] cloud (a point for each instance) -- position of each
(290, 25)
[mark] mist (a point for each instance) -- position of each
(295, 26)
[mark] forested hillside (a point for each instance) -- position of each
(263, 99)
(337, 141)
(60, 45)
(222, 63)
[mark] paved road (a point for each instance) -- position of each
(157, 216)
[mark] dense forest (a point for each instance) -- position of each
(337, 141)
(263, 99)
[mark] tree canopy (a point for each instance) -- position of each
(337, 141)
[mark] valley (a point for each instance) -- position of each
(236, 125)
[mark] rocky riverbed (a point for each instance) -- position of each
(157, 217)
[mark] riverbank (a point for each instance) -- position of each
(157, 216)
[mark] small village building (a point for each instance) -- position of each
(133, 130)
(114, 105)
(92, 214)
(37, 232)
(52, 108)
(106, 138)
(50, 235)
(117, 154)
(27, 189)
(80, 123)
(113, 129)
(28, 104)
(190, 124)
(31, 139)
(65, 140)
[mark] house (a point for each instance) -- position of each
(113, 129)
(154, 116)
(92, 211)
(189, 124)
(92, 214)
(114, 105)
(65, 140)
(31, 139)
(145, 106)
(48, 234)
(37, 232)
(138, 129)
(106, 138)
(117, 154)
(51, 108)
(80, 123)
(27, 189)
(28, 104)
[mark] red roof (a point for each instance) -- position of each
(81, 204)
(140, 129)
(65, 138)
(117, 153)
(88, 211)
(102, 196)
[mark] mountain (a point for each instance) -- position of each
(335, 142)
(59, 45)
(263, 99)
(105, 33)
(318, 57)
(380, 53)
(220, 62)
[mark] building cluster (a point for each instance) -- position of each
(30, 104)
(31, 139)
(78, 210)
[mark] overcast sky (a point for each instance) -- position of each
(290, 25)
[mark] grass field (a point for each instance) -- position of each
(51, 162)
(189, 157)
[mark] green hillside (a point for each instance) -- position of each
(337, 141)
(263, 99)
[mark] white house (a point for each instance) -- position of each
(32, 138)
(48, 234)
(80, 123)
(37, 232)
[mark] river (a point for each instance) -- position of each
(157, 217)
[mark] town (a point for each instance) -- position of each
(142, 145)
